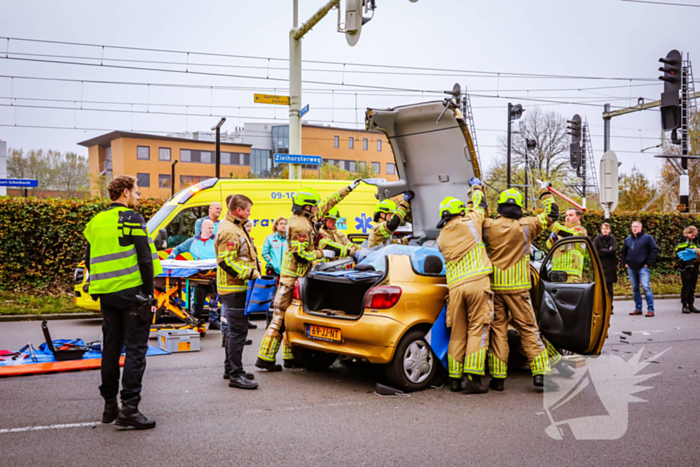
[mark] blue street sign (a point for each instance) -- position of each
(297, 159)
(19, 182)
(304, 111)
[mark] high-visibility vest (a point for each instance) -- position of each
(114, 267)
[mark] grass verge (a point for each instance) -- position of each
(665, 284)
(22, 304)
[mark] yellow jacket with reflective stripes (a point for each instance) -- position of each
(461, 244)
(508, 245)
(302, 238)
(336, 241)
(381, 232)
(567, 258)
(236, 256)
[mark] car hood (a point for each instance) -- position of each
(434, 155)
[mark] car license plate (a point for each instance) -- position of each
(323, 333)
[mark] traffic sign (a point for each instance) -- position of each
(19, 182)
(297, 159)
(304, 111)
(271, 99)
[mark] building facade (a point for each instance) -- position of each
(246, 151)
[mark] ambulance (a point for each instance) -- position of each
(174, 222)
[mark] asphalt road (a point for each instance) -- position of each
(333, 418)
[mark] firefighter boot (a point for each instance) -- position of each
(269, 366)
(130, 416)
(472, 384)
(111, 410)
(685, 310)
(455, 384)
(548, 385)
(290, 363)
(497, 384)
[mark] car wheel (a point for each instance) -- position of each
(414, 364)
(311, 359)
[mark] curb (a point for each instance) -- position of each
(55, 316)
(659, 297)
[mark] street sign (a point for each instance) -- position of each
(297, 159)
(304, 111)
(271, 99)
(680, 207)
(19, 182)
(609, 185)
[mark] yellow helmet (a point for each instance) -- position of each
(511, 196)
(333, 214)
(386, 206)
(307, 197)
(451, 206)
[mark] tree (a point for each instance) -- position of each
(68, 173)
(636, 191)
(72, 174)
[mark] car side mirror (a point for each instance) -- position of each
(537, 255)
(162, 240)
(558, 276)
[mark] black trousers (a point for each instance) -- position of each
(689, 276)
(123, 327)
(609, 286)
(200, 296)
(237, 332)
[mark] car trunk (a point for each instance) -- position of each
(339, 296)
(434, 154)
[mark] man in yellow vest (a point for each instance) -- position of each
(122, 262)
(470, 305)
(302, 251)
(237, 261)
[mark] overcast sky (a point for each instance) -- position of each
(595, 38)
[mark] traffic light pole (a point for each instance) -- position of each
(583, 166)
(684, 185)
(510, 108)
(606, 129)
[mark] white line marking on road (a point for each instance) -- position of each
(49, 427)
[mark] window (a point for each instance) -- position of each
(351, 143)
(185, 155)
(164, 154)
(225, 158)
(336, 141)
(390, 168)
(143, 180)
(206, 157)
(376, 168)
(571, 263)
(342, 165)
(143, 153)
(260, 162)
(181, 228)
(189, 180)
(365, 144)
(164, 181)
(352, 166)
(379, 145)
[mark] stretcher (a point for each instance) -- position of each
(172, 290)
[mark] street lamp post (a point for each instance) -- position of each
(172, 178)
(218, 146)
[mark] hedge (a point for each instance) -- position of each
(41, 240)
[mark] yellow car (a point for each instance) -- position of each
(383, 311)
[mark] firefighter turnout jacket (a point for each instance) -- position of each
(568, 258)
(383, 230)
(337, 242)
(236, 256)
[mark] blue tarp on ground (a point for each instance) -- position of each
(44, 355)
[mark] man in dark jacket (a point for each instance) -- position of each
(689, 269)
(606, 246)
(638, 253)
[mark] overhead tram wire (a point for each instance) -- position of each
(498, 74)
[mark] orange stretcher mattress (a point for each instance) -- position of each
(53, 367)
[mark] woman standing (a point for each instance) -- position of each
(606, 245)
(273, 250)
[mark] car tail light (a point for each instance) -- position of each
(296, 291)
(383, 297)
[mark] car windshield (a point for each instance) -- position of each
(416, 253)
(158, 218)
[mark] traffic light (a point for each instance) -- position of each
(670, 100)
(516, 111)
(575, 147)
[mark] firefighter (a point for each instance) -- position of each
(237, 263)
(122, 262)
(387, 218)
(508, 238)
(334, 240)
(302, 250)
(470, 303)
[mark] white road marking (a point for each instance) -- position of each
(49, 427)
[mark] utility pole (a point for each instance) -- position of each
(583, 165)
(606, 129)
(295, 35)
(218, 147)
(172, 178)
